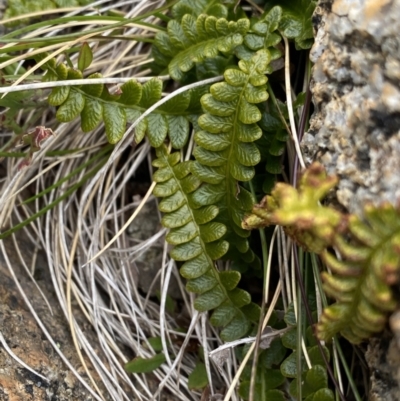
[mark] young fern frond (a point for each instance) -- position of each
(361, 280)
(262, 35)
(94, 104)
(193, 40)
(198, 241)
(225, 153)
(369, 249)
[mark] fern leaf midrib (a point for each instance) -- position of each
(130, 106)
(231, 150)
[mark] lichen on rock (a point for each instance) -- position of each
(355, 130)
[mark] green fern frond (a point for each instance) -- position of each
(225, 153)
(94, 104)
(369, 252)
(198, 241)
(193, 40)
(195, 8)
(361, 281)
(263, 34)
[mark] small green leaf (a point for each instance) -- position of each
(115, 122)
(91, 115)
(202, 284)
(177, 104)
(140, 130)
(198, 378)
(58, 95)
(223, 315)
(85, 57)
(239, 297)
(273, 355)
(252, 312)
(315, 356)
(182, 234)
(71, 108)
(217, 249)
(230, 279)
(145, 365)
(62, 71)
(212, 231)
(94, 90)
(289, 365)
(188, 250)
(157, 129)
(74, 74)
(290, 317)
(178, 131)
(172, 203)
(166, 188)
(178, 218)
(275, 395)
(324, 394)
(237, 328)
(155, 343)
(289, 339)
(195, 267)
(316, 378)
(152, 91)
(131, 93)
(209, 300)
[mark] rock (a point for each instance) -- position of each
(355, 130)
(26, 340)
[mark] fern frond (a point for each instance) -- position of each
(310, 224)
(369, 249)
(94, 104)
(361, 281)
(263, 34)
(195, 8)
(225, 153)
(193, 40)
(198, 241)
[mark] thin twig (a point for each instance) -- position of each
(72, 82)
